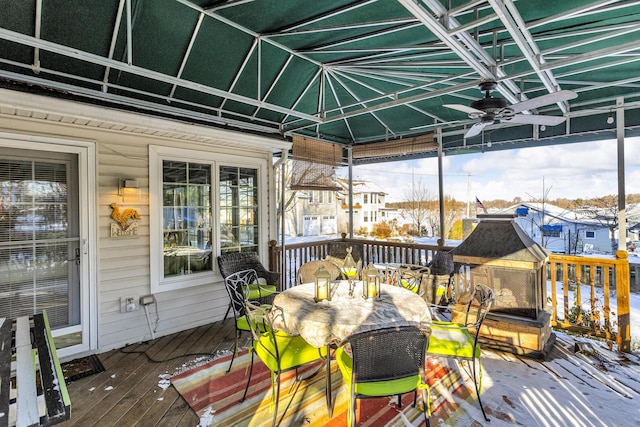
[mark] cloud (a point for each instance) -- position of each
(576, 170)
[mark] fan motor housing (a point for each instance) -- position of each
(489, 104)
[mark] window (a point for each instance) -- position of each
(207, 203)
(186, 217)
(238, 209)
(589, 234)
(365, 198)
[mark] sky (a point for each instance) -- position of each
(576, 170)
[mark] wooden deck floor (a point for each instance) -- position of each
(129, 392)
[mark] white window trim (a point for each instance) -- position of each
(159, 153)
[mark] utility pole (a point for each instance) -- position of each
(543, 206)
(468, 194)
(545, 193)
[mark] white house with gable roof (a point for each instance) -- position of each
(561, 230)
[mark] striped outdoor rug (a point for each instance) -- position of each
(215, 396)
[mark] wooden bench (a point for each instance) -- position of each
(35, 394)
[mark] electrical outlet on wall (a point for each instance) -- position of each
(129, 304)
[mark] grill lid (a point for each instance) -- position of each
(500, 239)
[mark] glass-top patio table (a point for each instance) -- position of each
(328, 323)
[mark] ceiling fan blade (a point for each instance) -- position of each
(535, 119)
(550, 98)
(463, 108)
(476, 129)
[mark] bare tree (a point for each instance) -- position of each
(543, 202)
(416, 205)
(290, 195)
(605, 211)
(451, 214)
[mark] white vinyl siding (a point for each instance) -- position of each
(119, 144)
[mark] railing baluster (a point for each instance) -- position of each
(606, 304)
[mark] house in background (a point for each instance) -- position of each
(561, 230)
(368, 200)
(325, 212)
(318, 210)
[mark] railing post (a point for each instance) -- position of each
(274, 265)
(623, 290)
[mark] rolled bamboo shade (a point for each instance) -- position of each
(417, 144)
(313, 165)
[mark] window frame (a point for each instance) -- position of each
(157, 154)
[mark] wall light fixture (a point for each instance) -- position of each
(127, 187)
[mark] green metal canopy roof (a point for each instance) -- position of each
(345, 71)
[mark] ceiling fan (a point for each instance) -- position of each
(489, 109)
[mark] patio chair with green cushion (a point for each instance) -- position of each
(352, 273)
(277, 350)
(411, 276)
(267, 281)
(384, 362)
(238, 287)
(459, 338)
(306, 272)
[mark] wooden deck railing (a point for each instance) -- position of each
(374, 251)
(591, 296)
(586, 309)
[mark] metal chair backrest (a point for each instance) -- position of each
(237, 285)
(387, 354)
(260, 323)
(411, 277)
(306, 272)
(481, 299)
(232, 262)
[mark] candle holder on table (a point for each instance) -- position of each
(349, 270)
(322, 282)
(371, 283)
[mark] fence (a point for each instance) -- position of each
(374, 251)
(591, 296)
